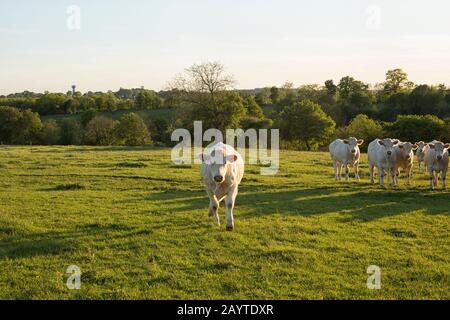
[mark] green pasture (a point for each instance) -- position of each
(137, 226)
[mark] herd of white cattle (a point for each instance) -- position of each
(222, 167)
(388, 156)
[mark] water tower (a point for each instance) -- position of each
(73, 89)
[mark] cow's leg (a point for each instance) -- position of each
(229, 203)
(444, 179)
(356, 167)
(397, 175)
(335, 169)
(339, 166)
(371, 171)
(408, 175)
(436, 181)
(347, 171)
(381, 176)
(431, 180)
(394, 172)
(213, 207)
(339, 171)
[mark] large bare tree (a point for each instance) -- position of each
(203, 81)
(206, 93)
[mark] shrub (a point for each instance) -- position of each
(19, 127)
(71, 132)
(223, 112)
(87, 116)
(252, 108)
(362, 127)
(132, 131)
(50, 133)
(415, 128)
(306, 122)
(100, 131)
(147, 99)
(256, 123)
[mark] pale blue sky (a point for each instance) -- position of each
(137, 43)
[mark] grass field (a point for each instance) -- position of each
(137, 226)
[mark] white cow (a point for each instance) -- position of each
(221, 172)
(403, 158)
(420, 153)
(380, 156)
(436, 160)
(424, 152)
(344, 153)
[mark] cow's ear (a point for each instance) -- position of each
(447, 145)
(203, 157)
(346, 141)
(232, 158)
(395, 142)
(431, 145)
(381, 142)
(414, 147)
(360, 142)
(401, 146)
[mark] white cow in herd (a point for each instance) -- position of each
(221, 172)
(380, 156)
(403, 157)
(420, 153)
(436, 160)
(345, 153)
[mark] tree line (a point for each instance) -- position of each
(25, 127)
(51, 103)
(308, 117)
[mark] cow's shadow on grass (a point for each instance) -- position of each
(18, 244)
(348, 204)
(107, 149)
(364, 204)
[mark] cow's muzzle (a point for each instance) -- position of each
(389, 153)
(218, 179)
(439, 158)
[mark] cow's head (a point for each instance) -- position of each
(420, 146)
(439, 149)
(218, 161)
(353, 144)
(388, 144)
(406, 149)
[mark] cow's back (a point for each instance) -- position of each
(376, 154)
(338, 150)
